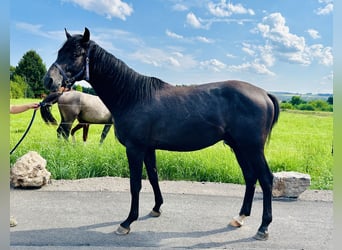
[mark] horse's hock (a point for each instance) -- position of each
(30, 171)
(290, 184)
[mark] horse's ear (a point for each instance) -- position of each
(86, 35)
(67, 33)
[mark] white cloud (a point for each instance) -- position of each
(204, 39)
(254, 67)
(179, 7)
(287, 45)
(321, 53)
(188, 39)
(274, 29)
(173, 35)
(230, 55)
(223, 9)
(193, 21)
(213, 64)
(163, 59)
(173, 61)
(313, 33)
(37, 30)
(281, 44)
(326, 10)
(247, 49)
(266, 55)
(108, 8)
(327, 79)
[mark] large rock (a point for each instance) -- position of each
(30, 171)
(290, 184)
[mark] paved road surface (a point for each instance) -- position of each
(84, 215)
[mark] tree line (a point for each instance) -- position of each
(296, 102)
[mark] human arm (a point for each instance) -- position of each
(16, 109)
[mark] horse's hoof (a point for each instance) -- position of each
(122, 230)
(261, 236)
(155, 213)
(237, 221)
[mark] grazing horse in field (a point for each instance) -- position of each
(151, 114)
(72, 105)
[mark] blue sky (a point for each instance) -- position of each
(275, 44)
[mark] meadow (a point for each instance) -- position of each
(301, 141)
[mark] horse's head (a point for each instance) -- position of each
(72, 63)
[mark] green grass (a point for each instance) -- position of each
(301, 141)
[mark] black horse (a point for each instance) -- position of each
(151, 114)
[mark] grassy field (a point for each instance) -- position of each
(301, 141)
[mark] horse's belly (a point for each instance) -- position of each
(184, 147)
(187, 140)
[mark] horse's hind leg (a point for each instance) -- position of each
(266, 182)
(85, 132)
(254, 167)
(250, 180)
(150, 163)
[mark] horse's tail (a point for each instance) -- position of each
(45, 108)
(276, 112)
(276, 108)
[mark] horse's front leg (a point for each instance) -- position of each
(63, 130)
(135, 161)
(150, 163)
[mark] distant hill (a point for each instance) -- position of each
(286, 96)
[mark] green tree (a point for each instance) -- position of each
(296, 100)
(330, 100)
(320, 105)
(18, 87)
(32, 69)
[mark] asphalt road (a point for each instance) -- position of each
(58, 217)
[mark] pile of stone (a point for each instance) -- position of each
(30, 171)
(290, 184)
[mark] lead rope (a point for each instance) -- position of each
(28, 128)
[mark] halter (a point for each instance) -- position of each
(69, 81)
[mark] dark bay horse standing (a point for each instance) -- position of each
(150, 114)
(72, 105)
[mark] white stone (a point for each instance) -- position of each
(290, 184)
(30, 171)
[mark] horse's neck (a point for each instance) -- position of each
(118, 85)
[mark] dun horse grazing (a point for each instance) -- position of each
(72, 105)
(151, 114)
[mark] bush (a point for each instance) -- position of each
(306, 106)
(286, 105)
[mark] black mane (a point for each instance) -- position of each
(130, 86)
